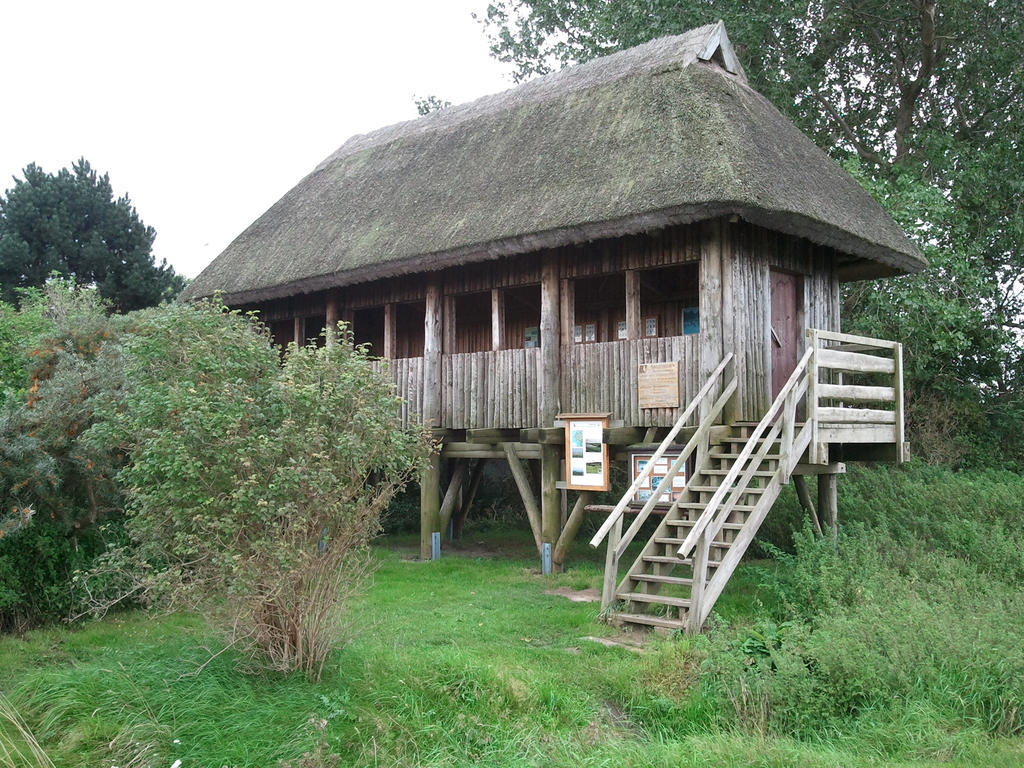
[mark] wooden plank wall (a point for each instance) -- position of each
(490, 389)
(603, 377)
(750, 252)
(735, 259)
(407, 374)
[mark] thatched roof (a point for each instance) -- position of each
(656, 135)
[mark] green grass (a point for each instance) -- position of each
(459, 662)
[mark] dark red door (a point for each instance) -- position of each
(785, 329)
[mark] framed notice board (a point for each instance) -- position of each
(655, 484)
(586, 453)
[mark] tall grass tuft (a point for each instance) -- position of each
(18, 746)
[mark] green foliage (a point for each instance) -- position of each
(55, 481)
(426, 105)
(924, 103)
(70, 223)
(261, 480)
(911, 627)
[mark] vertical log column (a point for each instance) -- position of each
(332, 319)
(710, 327)
(299, 331)
(430, 481)
(632, 304)
(567, 320)
(550, 383)
(390, 331)
(497, 319)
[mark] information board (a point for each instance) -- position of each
(658, 385)
(668, 492)
(586, 454)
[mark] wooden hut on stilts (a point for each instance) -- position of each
(640, 254)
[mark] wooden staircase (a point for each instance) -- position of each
(657, 588)
(739, 471)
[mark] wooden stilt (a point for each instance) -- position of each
(467, 499)
(572, 527)
(522, 479)
(452, 494)
(828, 502)
(550, 498)
(804, 495)
(430, 503)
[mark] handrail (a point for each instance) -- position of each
(617, 512)
(679, 463)
(712, 507)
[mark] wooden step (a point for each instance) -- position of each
(730, 455)
(726, 526)
(656, 579)
(645, 618)
(724, 472)
(643, 597)
(677, 560)
(702, 506)
(668, 540)
(713, 488)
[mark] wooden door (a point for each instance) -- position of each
(784, 334)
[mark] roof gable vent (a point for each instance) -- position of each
(719, 50)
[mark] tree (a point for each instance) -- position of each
(70, 223)
(924, 102)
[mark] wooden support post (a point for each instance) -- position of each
(550, 355)
(572, 527)
(448, 323)
(432, 355)
(452, 494)
(710, 300)
(727, 234)
(814, 452)
(331, 319)
(632, 304)
(611, 566)
(567, 321)
(901, 453)
(497, 319)
(550, 497)
(522, 479)
(467, 498)
(430, 503)
(390, 331)
(828, 502)
(299, 331)
(700, 578)
(804, 495)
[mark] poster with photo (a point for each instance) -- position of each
(655, 482)
(586, 466)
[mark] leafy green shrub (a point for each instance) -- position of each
(876, 629)
(56, 483)
(256, 479)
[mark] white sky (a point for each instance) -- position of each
(207, 113)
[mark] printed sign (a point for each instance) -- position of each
(658, 385)
(586, 454)
(656, 483)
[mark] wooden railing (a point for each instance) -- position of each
(618, 541)
(407, 374)
(859, 371)
(820, 392)
(602, 377)
(749, 463)
(490, 389)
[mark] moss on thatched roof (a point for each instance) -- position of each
(642, 139)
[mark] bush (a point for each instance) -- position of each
(60, 374)
(256, 479)
(909, 630)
